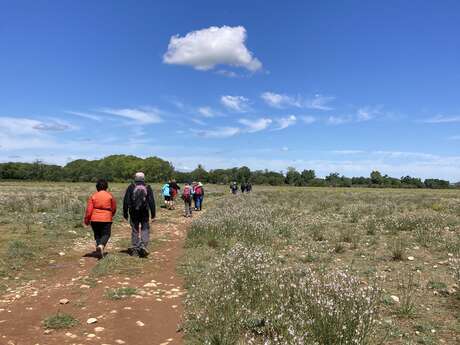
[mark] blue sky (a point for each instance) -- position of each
(347, 86)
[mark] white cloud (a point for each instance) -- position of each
(308, 119)
(255, 125)
(229, 74)
(199, 122)
(285, 122)
(236, 103)
(368, 113)
(206, 48)
(217, 133)
(442, 119)
(85, 115)
(206, 112)
(338, 120)
(319, 102)
(277, 100)
(143, 116)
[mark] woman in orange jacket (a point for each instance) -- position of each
(99, 213)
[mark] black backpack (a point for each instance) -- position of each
(139, 197)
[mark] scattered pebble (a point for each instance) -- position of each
(64, 301)
(91, 320)
(395, 298)
(99, 329)
(140, 323)
(410, 258)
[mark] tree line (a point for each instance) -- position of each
(120, 168)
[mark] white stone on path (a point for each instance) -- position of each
(64, 301)
(119, 341)
(395, 298)
(91, 320)
(140, 323)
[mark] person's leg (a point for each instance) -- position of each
(201, 202)
(97, 232)
(145, 236)
(106, 233)
(135, 241)
(185, 208)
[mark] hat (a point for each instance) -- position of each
(200, 184)
(139, 177)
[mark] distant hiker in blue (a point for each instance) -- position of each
(165, 190)
(137, 203)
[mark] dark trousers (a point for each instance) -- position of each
(102, 232)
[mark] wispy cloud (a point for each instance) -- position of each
(442, 119)
(277, 100)
(368, 113)
(257, 125)
(85, 115)
(217, 133)
(339, 120)
(206, 111)
(319, 102)
(206, 48)
(235, 103)
(139, 115)
(285, 122)
(308, 119)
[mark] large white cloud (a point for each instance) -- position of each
(206, 48)
(285, 122)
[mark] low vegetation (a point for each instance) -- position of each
(315, 266)
(60, 321)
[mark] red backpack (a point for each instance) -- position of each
(198, 190)
(186, 194)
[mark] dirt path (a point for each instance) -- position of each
(151, 317)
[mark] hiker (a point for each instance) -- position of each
(100, 210)
(198, 194)
(243, 187)
(137, 203)
(165, 190)
(187, 195)
(234, 187)
(173, 191)
(248, 187)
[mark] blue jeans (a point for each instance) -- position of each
(198, 201)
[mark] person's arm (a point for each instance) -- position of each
(151, 201)
(114, 206)
(89, 210)
(126, 202)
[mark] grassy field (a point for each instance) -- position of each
(279, 266)
(325, 266)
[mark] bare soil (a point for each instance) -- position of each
(152, 316)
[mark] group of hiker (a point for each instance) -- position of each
(138, 209)
(246, 187)
(193, 192)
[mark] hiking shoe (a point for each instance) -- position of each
(143, 252)
(100, 251)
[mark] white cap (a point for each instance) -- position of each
(139, 176)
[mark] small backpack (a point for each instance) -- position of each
(139, 197)
(186, 194)
(165, 190)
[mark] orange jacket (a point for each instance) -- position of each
(101, 207)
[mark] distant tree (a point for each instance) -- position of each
(376, 177)
(307, 176)
(333, 179)
(293, 177)
(435, 183)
